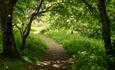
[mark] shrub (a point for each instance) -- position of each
(87, 53)
(35, 47)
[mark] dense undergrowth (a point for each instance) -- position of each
(87, 53)
(35, 48)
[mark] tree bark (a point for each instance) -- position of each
(105, 25)
(9, 47)
(26, 32)
(106, 31)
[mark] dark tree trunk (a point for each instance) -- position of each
(105, 26)
(26, 32)
(9, 47)
(105, 30)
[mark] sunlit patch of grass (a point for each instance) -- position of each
(87, 53)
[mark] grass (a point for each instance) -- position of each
(35, 48)
(87, 53)
(12, 64)
(34, 45)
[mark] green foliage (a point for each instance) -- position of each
(76, 16)
(22, 13)
(87, 53)
(35, 47)
(24, 4)
(18, 39)
(111, 13)
(73, 15)
(12, 64)
(34, 51)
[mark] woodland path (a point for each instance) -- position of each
(55, 58)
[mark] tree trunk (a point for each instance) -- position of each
(26, 32)
(23, 46)
(105, 25)
(105, 31)
(9, 47)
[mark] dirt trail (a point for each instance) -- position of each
(55, 57)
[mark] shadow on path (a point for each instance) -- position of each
(55, 58)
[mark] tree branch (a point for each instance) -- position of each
(20, 9)
(33, 16)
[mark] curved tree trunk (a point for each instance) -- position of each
(105, 26)
(9, 47)
(106, 32)
(26, 32)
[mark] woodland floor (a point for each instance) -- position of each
(55, 58)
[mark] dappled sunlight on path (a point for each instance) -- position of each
(55, 58)
(51, 65)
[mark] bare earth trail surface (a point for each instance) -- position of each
(55, 58)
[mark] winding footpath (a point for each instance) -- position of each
(55, 58)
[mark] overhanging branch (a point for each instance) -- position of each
(20, 9)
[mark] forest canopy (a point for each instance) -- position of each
(85, 29)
